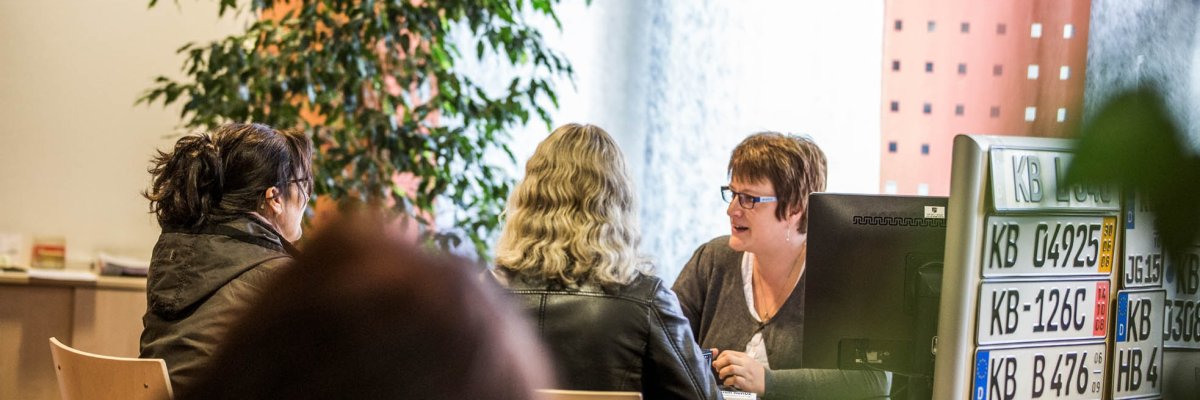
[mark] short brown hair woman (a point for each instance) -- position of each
(229, 204)
(744, 292)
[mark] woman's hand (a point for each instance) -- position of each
(740, 371)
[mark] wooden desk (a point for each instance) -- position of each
(102, 316)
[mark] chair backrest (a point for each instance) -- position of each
(82, 375)
(552, 394)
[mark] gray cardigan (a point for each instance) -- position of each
(711, 295)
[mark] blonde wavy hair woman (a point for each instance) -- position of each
(573, 219)
(569, 256)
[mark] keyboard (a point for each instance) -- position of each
(735, 395)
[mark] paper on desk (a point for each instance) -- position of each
(124, 266)
(62, 274)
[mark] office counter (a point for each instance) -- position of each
(103, 316)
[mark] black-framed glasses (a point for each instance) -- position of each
(744, 200)
(305, 186)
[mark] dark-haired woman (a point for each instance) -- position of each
(229, 203)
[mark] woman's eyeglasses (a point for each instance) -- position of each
(744, 200)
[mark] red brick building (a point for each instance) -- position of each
(951, 66)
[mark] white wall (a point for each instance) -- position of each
(73, 147)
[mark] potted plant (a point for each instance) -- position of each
(378, 87)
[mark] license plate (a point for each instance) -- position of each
(1053, 372)
(1181, 328)
(1143, 255)
(1034, 180)
(1138, 357)
(1048, 245)
(1011, 312)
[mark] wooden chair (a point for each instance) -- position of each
(83, 375)
(552, 394)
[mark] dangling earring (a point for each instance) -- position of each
(788, 236)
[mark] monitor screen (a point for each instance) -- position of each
(872, 282)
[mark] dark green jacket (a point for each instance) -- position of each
(200, 282)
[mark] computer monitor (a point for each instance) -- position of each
(872, 285)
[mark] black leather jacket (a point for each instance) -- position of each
(629, 338)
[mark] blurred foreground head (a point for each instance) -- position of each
(366, 314)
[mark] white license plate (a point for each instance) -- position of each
(1034, 180)
(1021, 312)
(1138, 356)
(1048, 245)
(1143, 256)
(1054, 372)
(1182, 324)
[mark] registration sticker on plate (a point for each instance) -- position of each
(1138, 357)
(1041, 245)
(1053, 372)
(1011, 312)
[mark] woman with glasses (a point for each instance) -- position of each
(744, 292)
(569, 254)
(229, 204)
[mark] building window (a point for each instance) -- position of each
(1068, 31)
(899, 25)
(922, 189)
(1064, 73)
(895, 65)
(995, 112)
(965, 27)
(892, 147)
(1033, 71)
(925, 148)
(889, 187)
(928, 67)
(931, 26)
(962, 69)
(895, 106)
(958, 109)
(927, 108)
(1030, 114)
(1062, 115)
(1001, 29)
(1035, 30)
(998, 70)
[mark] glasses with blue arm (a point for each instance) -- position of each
(744, 200)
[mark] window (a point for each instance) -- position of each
(1033, 71)
(889, 187)
(962, 69)
(922, 189)
(1035, 30)
(895, 106)
(965, 27)
(899, 25)
(1068, 31)
(927, 108)
(1001, 29)
(932, 25)
(995, 112)
(958, 109)
(895, 65)
(997, 70)
(928, 67)
(1064, 73)
(892, 147)
(925, 148)
(1062, 115)
(1030, 114)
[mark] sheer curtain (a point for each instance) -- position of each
(680, 83)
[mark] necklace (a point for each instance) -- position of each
(760, 289)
